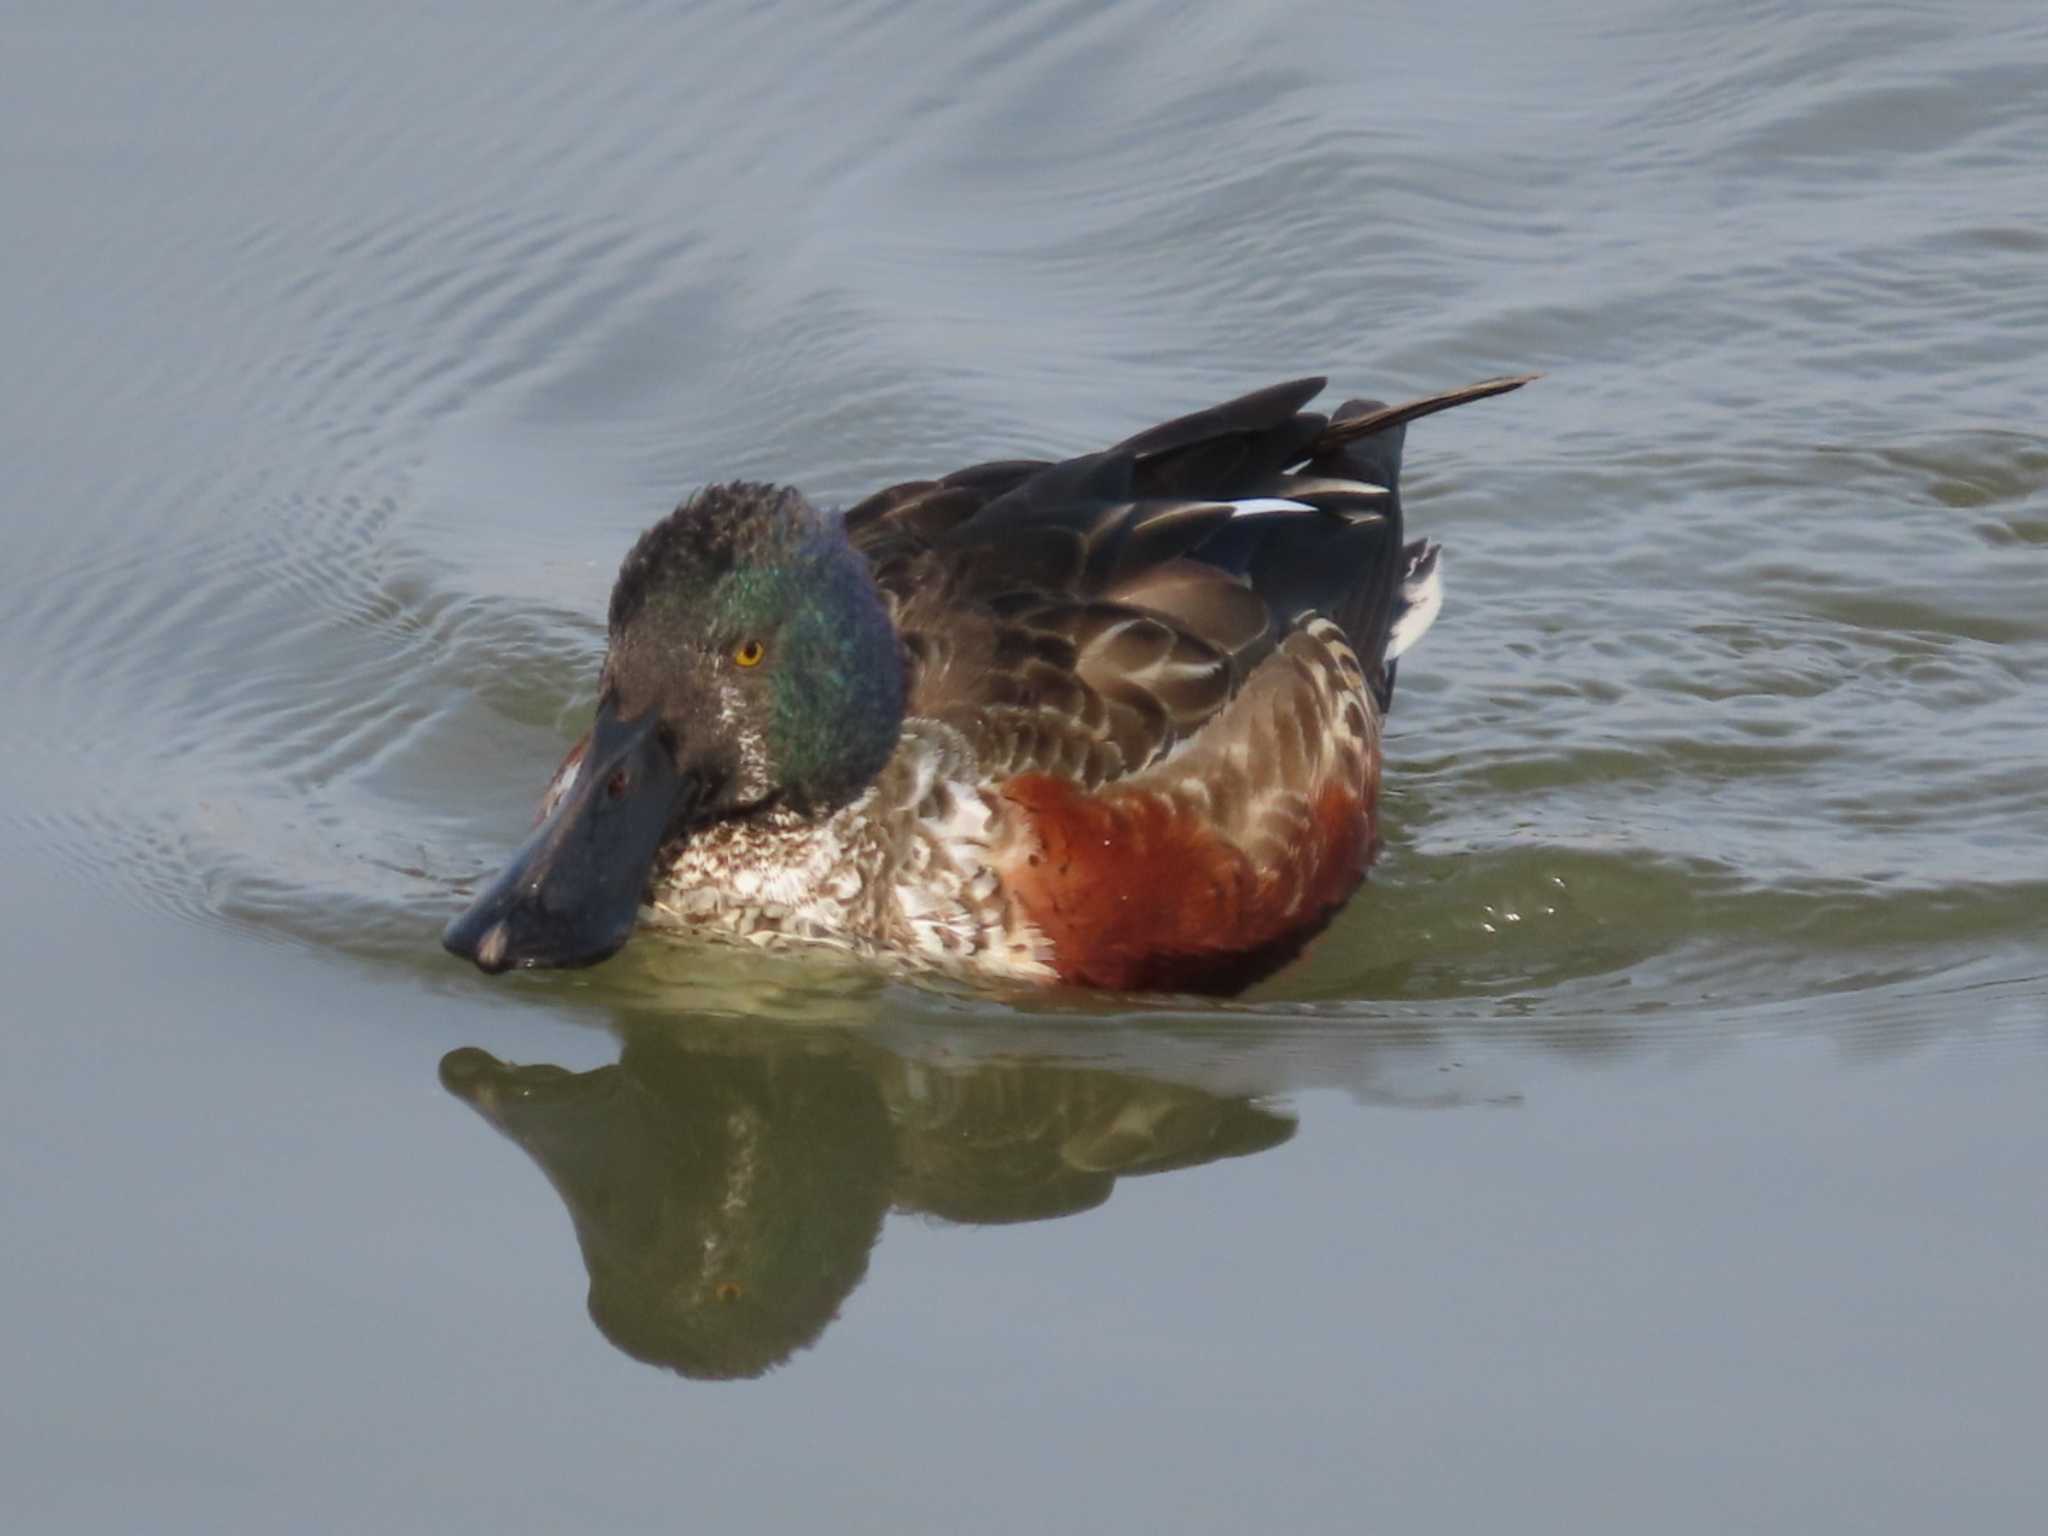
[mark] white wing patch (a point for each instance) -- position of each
(1254, 505)
(1422, 598)
(1260, 504)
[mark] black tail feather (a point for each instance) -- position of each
(1345, 428)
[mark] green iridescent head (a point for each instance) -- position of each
(752, 668)
(750, 624)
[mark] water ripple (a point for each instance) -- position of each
(1732, 713)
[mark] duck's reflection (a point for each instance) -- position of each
(727, 1184)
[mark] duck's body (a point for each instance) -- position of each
(1187, 877)
(1112, 721)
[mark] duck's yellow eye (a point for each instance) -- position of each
(748, 653)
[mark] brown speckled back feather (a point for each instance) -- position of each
(1091, 617)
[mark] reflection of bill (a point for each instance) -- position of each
(727, 1186)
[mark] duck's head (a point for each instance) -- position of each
(751, 665)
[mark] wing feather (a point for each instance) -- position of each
(1093, 616)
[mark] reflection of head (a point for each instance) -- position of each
(725, 1204)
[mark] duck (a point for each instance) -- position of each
(1113, 721)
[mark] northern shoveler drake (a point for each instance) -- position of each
(1112, 721)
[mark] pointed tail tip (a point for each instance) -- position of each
(1351, 429)
(1485, 389)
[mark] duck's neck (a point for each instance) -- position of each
(843, 689)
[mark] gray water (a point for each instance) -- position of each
(1657, 1143)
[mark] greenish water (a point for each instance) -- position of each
(1657, 1141)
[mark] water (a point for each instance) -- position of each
(1656, 1143)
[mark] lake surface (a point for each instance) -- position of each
(1658, 1143)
